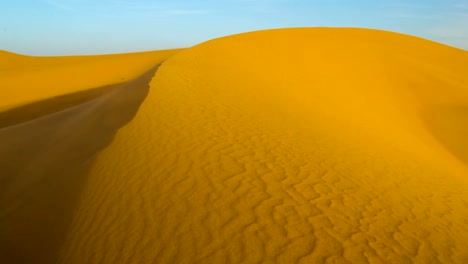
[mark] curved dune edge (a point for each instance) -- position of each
(287, 146)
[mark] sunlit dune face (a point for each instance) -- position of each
(311, 145)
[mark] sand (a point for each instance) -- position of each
(311, 145)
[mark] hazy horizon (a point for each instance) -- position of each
(72, 27)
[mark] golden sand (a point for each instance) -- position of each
(313, 145)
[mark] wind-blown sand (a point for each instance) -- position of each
(311, 145)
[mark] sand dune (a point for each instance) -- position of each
(313, 145)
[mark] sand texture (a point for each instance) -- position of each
(311, 145)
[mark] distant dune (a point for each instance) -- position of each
(30, 79)
(306, 145)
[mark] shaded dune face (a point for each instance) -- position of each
(44, 162)
(287, 146)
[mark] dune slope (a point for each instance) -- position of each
(310, 145)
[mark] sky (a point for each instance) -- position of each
(71, 27)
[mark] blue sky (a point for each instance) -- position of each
(59, 27)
